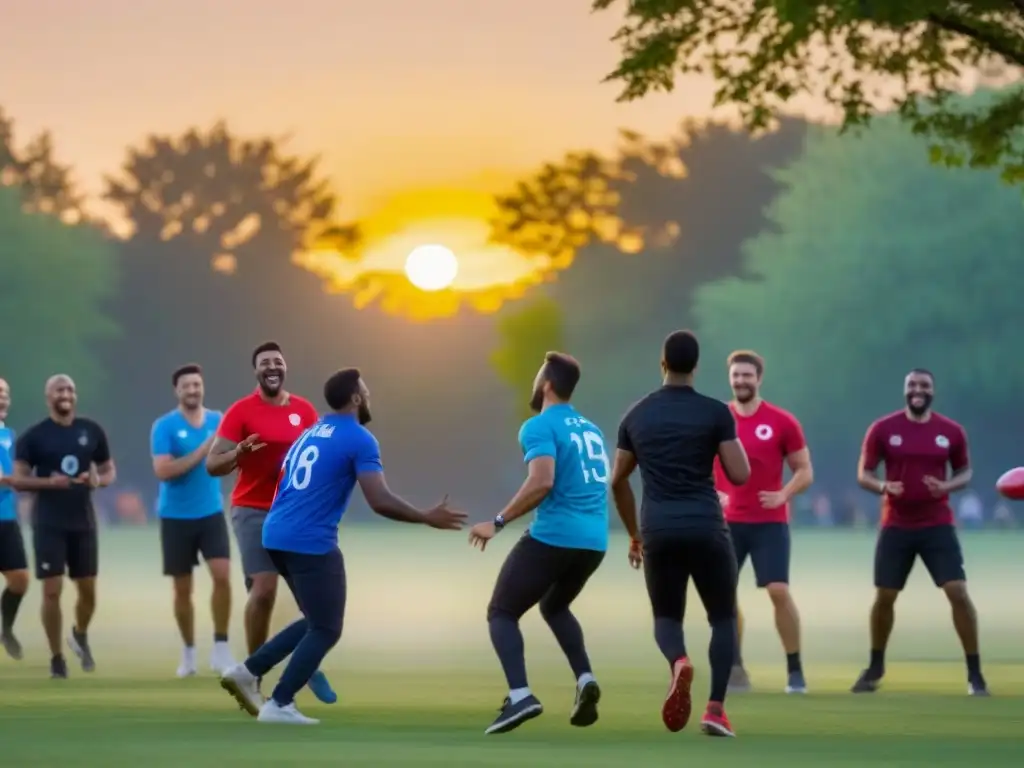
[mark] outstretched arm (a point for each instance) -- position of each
(540, 479)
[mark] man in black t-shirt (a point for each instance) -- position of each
(61, 460)
(673, 435)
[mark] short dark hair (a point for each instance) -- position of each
(266, 346)
(922, 372)
(681, 352)
(341, 388)
(185, 370)
(748, 356)
(562, 371)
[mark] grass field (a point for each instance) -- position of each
(418, 683)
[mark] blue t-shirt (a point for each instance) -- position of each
(317, 479)
(8, 498)
(195, 494)
(574, 514)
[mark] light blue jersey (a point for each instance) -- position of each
(575, 512)
(195, 494)
(317, 479)
(8, 498)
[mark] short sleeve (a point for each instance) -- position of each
(101, 453)
(536, 440)
(793, 439)
(367, 454)
(311, 416)
(24, 449)
(872, 452)
(725, 424)
(959, 453)
(232, 426)
(160, 438)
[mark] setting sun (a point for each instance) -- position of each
(431, 267)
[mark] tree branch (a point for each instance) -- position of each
(1019, 5)
(996, 45)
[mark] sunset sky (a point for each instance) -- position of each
(401, 97)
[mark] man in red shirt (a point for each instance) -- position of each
(758, 511)
(254, 437)
(926, 458)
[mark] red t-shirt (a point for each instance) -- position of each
(768, 436)
(278, 426)
(911, 451)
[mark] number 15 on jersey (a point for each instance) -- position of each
(593, 457)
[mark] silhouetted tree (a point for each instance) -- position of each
(764, 55)
(45, 185)
(55, 278)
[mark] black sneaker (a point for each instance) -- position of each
(79, 644)
(11, 645)
(976, 686)
(58, 668)
(868, 682)
(584, 710)
(514, 715)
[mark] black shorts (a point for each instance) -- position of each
(538, 573)
(671, 561)
(12, 547)
(767, 545)
(182, 541)
(58, 551)
(898, 548)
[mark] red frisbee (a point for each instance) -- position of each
(1011, 484)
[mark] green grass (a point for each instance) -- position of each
(418, 684)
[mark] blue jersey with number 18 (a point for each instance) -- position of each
(317, 479)
(575, 512)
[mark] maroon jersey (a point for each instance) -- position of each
(911, 451)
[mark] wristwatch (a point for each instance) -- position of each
(499, 522)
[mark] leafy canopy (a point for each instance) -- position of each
(855, 55)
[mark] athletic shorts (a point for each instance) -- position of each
(248, 525)
(12, 547)
(671, 561)
(318, 584)
(182, 541)
(535, 573)
(767, 545)
(898, 548)
(58, 551)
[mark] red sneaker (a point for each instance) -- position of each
(675, 712)
(715, 722)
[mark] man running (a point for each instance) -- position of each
(191, 512)
(13, 563)
(926, 458)
(758, 511)
(62, 459)
(254, 437)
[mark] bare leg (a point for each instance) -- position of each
(184, 613)
(258, 609)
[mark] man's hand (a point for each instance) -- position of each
(723, 499)
(481, 533)
(894, 488)
(6, 481)
(251, 444)
(636, 554)
(90, 479)
(444, 518)
(61, 480)
(772, 499)
(939, 488)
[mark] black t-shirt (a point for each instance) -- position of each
(674, 433)
(50, 448)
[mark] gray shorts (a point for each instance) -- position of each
(248, 525)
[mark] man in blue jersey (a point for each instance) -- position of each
(191, 511)
(567, 483)
(301, 536)
(13, 563)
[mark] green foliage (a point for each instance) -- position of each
(56, 278)
(764, 54)
(879, 262)
(526, 334)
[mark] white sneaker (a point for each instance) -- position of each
(242, 685)
(187, 667)
(272, 712)
(221, 659)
